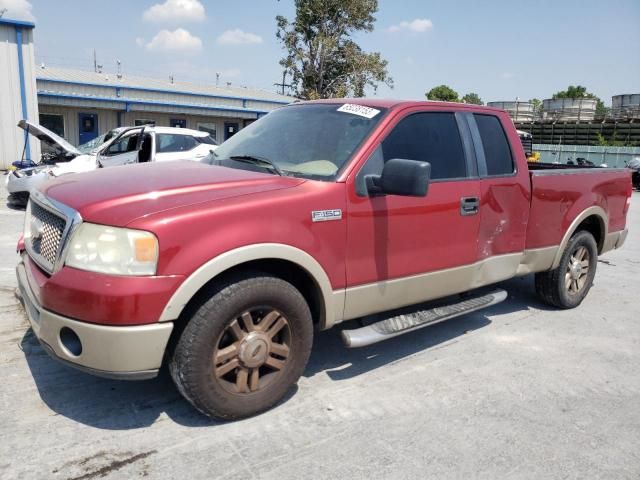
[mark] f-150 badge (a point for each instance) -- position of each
(326, 215)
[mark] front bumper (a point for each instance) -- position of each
(25, 184)
(131, 352)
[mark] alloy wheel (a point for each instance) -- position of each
(577, 272)
(252, 351)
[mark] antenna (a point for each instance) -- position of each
(171, 79)
(119, 64)
(95, 61)
(283, 84)
(217, 78)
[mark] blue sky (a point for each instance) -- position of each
(499, 49)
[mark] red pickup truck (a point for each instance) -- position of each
(317, 213)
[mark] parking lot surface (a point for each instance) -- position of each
(516, 391)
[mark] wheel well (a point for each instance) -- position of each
(595, 226)
(284, 269)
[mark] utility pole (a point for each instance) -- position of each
(283, 84)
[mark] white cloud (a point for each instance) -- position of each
(180, 40)
(418, 25)
(172, 11)
(17, 10)
(238, 37)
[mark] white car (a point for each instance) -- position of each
(122, 146)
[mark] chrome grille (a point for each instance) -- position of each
(47, 227)
(51, 227)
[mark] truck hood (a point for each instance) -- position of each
(118, 195)
(47, 136)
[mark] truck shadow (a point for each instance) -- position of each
(121, 405)
(340, 363)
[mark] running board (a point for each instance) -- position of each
(394, 326)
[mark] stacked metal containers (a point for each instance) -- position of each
(626, 107)
(520, 112)
(569, 109)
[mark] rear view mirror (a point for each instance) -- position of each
(401, 177)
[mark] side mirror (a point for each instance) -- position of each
(401, 177)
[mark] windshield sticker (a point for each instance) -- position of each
(360, 110)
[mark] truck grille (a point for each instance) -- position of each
(47, 232)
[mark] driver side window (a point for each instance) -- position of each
(425, 137)
(123, 145)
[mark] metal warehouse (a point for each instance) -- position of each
(80, 105)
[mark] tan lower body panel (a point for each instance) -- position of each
(387, 295)
(105, 349)
(614, 240)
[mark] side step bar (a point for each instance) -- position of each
(394, 326)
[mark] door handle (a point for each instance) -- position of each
(469, 206)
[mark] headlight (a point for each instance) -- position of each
(118, 251)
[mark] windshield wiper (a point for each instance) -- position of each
(255, 159)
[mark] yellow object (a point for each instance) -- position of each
(534, 157)
(146, 249)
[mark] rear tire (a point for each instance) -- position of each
(566, 286)
(244, 348)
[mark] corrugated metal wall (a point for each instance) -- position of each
(11, 137)
(108, 119)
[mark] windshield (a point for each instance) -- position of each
(92, 145)
(308, 140)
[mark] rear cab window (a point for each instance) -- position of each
(495, 145)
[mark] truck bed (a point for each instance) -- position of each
(559, 193)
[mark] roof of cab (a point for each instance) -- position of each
(395, 103)
(175, 130)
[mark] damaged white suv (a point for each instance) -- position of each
(121, 146)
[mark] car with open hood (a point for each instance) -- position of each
(120, 146)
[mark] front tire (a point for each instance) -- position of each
(244, 348)
(566, 286)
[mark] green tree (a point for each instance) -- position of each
(472, 98)
(321, 56)
(612, 142)
(443, 93)
(601, 109)
(537, 106)
(578, 91)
